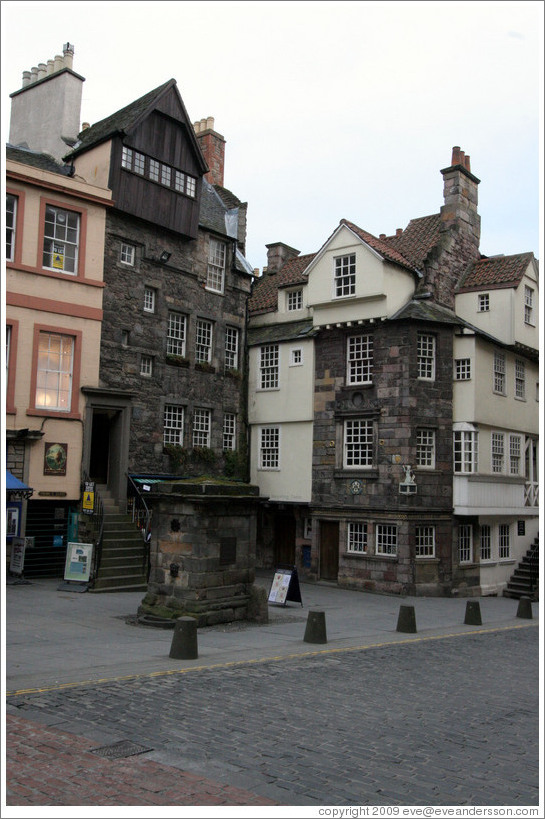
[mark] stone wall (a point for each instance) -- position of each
(129, 332)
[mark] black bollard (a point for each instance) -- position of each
(406, 620)
(525, 608)
(473, 613)
(315, 631)
(184, 639)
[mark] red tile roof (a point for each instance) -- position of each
(498, 271)
(264, 296)
(418, 238)
(382, 246)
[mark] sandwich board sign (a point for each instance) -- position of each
(17, 560)
(78, 562)
(285, 587)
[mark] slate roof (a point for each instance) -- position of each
(418, 238)
(426, 310)
(264, 298)
(44, 162)
(119, 122)
(287, 331)
(498, 271)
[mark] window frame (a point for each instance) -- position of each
(528, 305)
(216, 266)
(344, 276)
(426, 357)
(465, 543)
(425, 448)
(176, 337)
(150, 296)
(462, 369)
(357, 537)
(515, 454)
(231, 347)
(483, 302)
(146, 365)
(269, 367)
(12, 228)
(124, 246)
(59, 207)
(154, 170)
(499, 372)
(39, 410)
(296, 357)
(497, 453)
(520, 379)
(359, 359)
(269, 434)
(294, 300)
(174, 413)
(202, 428)
(504, 541)
(465, 451)
(386, 539)
(362, 442)
(485, 543)
(204, 340)
(229, 431)
(424, 541)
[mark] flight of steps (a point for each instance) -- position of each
(520, 584)
(122, 565)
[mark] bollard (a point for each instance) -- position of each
(525, 608)
(315, 631)
(406, 620)
(473, 613)
(184, 639)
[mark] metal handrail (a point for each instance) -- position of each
(141, 516)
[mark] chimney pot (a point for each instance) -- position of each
(382, 236)
(42, 70)
(33, 73)
(210, 123)
(50, 66)
(455, 155)
(467, 164)
(59, 62)
(68, 52)
(203, 124)
(26, 78)
(399, 231)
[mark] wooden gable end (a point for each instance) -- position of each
(163, 136)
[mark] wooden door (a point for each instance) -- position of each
(329, 550)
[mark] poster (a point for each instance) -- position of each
(78, 562)
(280, 586)
(17, 560)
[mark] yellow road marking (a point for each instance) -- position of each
(293, 656)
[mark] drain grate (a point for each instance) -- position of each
(119, 750)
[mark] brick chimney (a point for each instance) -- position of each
(212, 146)
(278, 254)
(45, 112)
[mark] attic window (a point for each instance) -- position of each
(158, 172)
(484, 302)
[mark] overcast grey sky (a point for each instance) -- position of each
(330, 110)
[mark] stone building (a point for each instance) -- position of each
(352, 404)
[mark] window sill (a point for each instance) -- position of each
(368, 556)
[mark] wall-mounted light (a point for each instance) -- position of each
(164, 257)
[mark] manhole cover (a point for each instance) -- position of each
(120, 749)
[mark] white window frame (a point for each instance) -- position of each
(149, 300)
(296, 357)
(294, 300)
(359, 359)
(358, 438)
(61, 234)
(232, 335)
(425, 448)
(465, 451)
(485, 543)
(126, 158)
(483, 302)
(356, 537)
(269, 366)
(344, 277)
(146, 365)
(424, 541)
(504, 541)
(173, 424)
(127, 254)
(465, 543)
(139, 163)
(426, 355)
(462, 369)
(497, 458)
(203, 341)
(215, 272)
(11, 225)
(386, 539)
(499, 373)
(520, 379)
(229, 431)
(56, 352)
(528, 305)
(202, 424)
(190, 186)
(515, 454)
(176, 333)
(269, 448)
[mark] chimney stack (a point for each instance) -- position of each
(45, 112)
(212, 146)
(278, 254)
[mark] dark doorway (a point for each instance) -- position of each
(284, 539)
(100, 447)
(329, 550)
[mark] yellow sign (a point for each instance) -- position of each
(58, 257)
(88, 500)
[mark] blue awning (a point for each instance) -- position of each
(16, 488)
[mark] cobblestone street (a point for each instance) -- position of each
(447, 721)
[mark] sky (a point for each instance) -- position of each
(330, 110)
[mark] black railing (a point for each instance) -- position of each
(141, 516)
(533, 559)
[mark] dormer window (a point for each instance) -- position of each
(483, 302)
(345, 276)
(295, 300)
